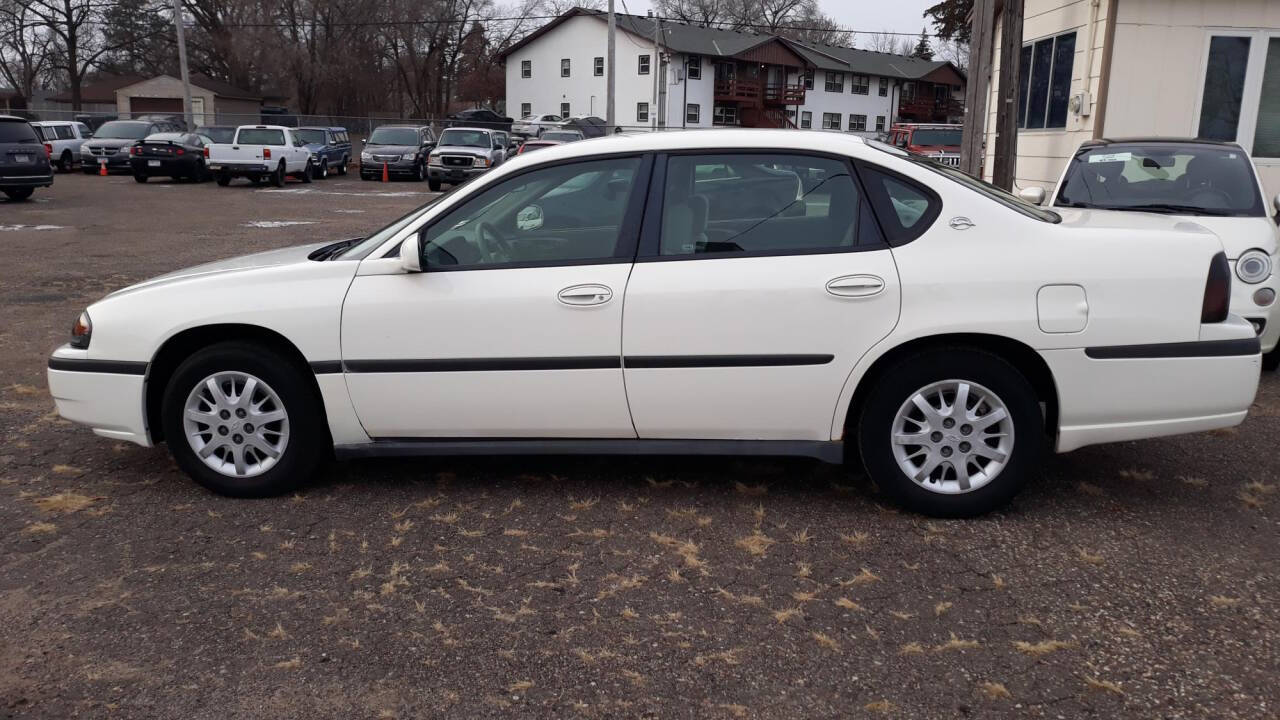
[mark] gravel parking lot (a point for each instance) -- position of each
(1136, 580)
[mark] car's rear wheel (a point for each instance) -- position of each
(140, 177)
(241, 420)
(277, 177)
(224, 179)
(64, 161)
(951, 432)
(19, 193)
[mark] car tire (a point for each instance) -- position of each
(419, 172)
(1271, 360)
(224, 179)
(19, 194)
(300, 438)
(277, 177)
(65, 161)
(342, 166)
(308, 172)
(139, 177)
(1015, 443)
(366, 178)
(323, 172)
(433, 185)
(197, 172)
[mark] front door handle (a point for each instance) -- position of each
(585, 295)
(856, 286)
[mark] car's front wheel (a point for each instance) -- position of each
(952, 432)
(433, 185)
(308, 173)
(241, 420)
(1271, 360)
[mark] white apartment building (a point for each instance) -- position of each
(672, 75)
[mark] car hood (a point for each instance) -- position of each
(108, 142)
(315, 147)
(271, 258)
(1237, 234)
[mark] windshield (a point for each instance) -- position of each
(370, 243)
(562, 136)
(217, 134)
(466, 138)
(312, 137)
(1158, 177)
(936, 136)
(394, 136)
(120, 130)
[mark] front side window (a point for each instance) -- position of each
(643, 66)
(884, 86)
(642, 112)
(1163, 178)
(835, 82)
(693, 67)
(1045, 81)
(860, 85)
(526, 68)
(564, 67)
(598, 66)
(692, 113)
(806, 119)
(310, 137)
(566, 213)
(830, 121)
(857, 122)
(761, 203)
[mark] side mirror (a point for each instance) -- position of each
(1033, 195)
(411, 254)
(364, 141)
(529, 218)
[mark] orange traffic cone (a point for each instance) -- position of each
(102, 169)
(385, 176)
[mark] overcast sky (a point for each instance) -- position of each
(863, 15)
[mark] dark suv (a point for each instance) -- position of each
(24, 162)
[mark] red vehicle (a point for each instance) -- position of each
(938, 141)
(531, 145)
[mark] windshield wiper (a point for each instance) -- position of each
(1172, 209)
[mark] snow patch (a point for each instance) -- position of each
(277, 223)
(13, 228)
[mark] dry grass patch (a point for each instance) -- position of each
(995, 690)
(1090, 558)
(1044, 647)
(941, 608)
(293, 664)
(901, 615)
(864, 577)
(65, 502)
(757, 543)
(997, 582)
(686, 549)
(826, 641)
(513, 532)
(403, 526)
(636, 678)
(1090, 489)
(278, 632)
(911, 648)
(802, 538)
(21, 389)
(1222, 601)
(750, 490)
(299, 567)
(1251, 501)
(781, 616)
(1137, 474)
(856, 539)
(848, 604)
(802, 596)
(880, 706)
(1102, 685)
(728, 657)
(803, 569)
(1195, 482)
(586, 504)
(39, 528)
(956, 643)
(520, 686)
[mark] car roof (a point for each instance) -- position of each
(717, 140)
(166, 136)
(333, 128)
(263, 127)
(475, 129)
(131, 122)
(51, 123)
(411, 127)
(1157, 141)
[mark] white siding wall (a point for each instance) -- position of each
(582, 39)
(819, 101)
(1157, 67)
(701, 92)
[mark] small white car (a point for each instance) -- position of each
(64, 140)
(1212, 184)
(894, 310)
(534, 125)
(258, 152)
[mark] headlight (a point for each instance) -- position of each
(409, 156)
(81, 331)
(366, 157)
(1254, 266)
(481, 162)
(433, 159)
(314, 158)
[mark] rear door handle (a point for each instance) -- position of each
(585, 295)
(856, 286)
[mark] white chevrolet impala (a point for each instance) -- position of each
(712, 292)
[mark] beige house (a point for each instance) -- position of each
(1128, 68)
(212, 101)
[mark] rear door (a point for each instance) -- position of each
(762, 279)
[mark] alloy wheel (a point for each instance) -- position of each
(952, 436)
(236, 424)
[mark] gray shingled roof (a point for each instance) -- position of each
(694, 40)
(867, 62)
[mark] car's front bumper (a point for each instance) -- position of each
(454, 175)
(117, 161)
(109, 397)
(398, 167)
(1243, 304)
(1117, 394)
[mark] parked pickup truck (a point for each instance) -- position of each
(259, 152)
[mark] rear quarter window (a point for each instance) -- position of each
(905, 208)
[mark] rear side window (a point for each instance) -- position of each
(259, 136)
(905, 209)
(762, 204)
(14, 131)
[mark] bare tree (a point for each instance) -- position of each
(887, 42)
(25, 46)
(702, 13)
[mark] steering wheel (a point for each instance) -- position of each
(491, 244)
(1201, 192)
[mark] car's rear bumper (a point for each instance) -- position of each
(109, 397)
(237, 169)
(9, 181)
(1117, 394)
(167, 166)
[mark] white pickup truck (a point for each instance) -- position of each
(258, 152)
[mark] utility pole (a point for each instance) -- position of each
(655, 67)
(975, 94)
(182, 64)
(1005, 164)
(610, 73)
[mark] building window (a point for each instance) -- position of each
(693, 67)
(1240, 98)
(692, 113)
(599, 67)
(564, 67)
(564, 110)
(879, 123)
(526, 68)
(806, 119)
(830, 121)
(644, 65)
(724, 115)
(808, 79)
(835, 82)
(857, 122)
(1046, 82)
(884, 86)
(860, 85)
(642, 112)
(526, 109)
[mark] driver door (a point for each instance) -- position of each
(514, 328)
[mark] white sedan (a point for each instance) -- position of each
(892, 310)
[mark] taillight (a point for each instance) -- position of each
(178, 151)
(266, 153)
(1217, 291)
(133, 150)
(206, 151)
(48, 149)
